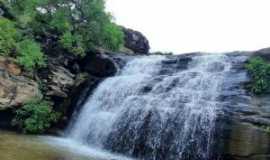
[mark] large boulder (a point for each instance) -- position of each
(98, 65)
(136, 41)
(14, 88)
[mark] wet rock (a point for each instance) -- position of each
(175, 63)
(216, 67)
(246, 142)
(84, 86)
(99, 65)
(136, 41)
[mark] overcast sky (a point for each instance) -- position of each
(197, 25)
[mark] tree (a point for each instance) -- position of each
(81, 25)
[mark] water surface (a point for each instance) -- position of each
(23, 147)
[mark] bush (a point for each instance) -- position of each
(36, 116)
(30, 55)
(8, 37)
(73, 43)
(26, 51)
(259, 70)
(113, 37)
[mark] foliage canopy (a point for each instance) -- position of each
(82, 25)
(79, 25)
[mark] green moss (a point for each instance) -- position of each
(259, 70)
(35, 116)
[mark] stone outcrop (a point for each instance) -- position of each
(14, 88)
(59, 82)
(136, 42)
(264, 53)
(246, 135)
(68, 80)
(99, 65)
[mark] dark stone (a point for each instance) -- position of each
(99, 65)
(136, 41)
(175, 63)
(6, 117)
(264, 53)
(79, 94)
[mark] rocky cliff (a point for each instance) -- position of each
(63, 80)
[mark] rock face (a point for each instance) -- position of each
(245, 135)
(63, 82)
(58, 78)
(14, 88)
(68, 80)
(136, 41)
(59, 82)
(99, 65)
(264, 53)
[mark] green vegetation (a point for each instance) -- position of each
(9, 37)
(12, 43)
(30, 55)
(35, 117)
(260, 73)
(80, 26)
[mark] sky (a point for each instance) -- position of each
(184, 26)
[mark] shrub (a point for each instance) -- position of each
(259, 70)
(73, 43)
(113, 37)
(60, 20)
(24, 10)
(36, 116)
(8, 37)
(27, 52)
(30, 55)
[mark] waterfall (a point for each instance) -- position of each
(155, 109)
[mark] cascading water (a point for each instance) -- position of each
(155, 109)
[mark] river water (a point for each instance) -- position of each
(23, 147)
